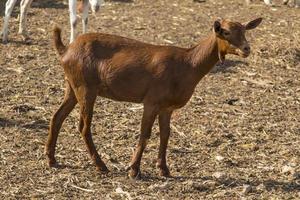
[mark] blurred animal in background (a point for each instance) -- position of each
(24, 6)
(295, 3)
(83, 6)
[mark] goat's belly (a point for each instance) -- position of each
(127, 84)
(123, 92)
(117, 96)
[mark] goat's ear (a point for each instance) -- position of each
(217, 27)
(253, 24)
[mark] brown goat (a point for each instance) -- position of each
(163, 78)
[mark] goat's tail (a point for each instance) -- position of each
(58, 44)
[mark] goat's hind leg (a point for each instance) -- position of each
(164, 129)
(9, 6)
(57, 120)
(80, 126)
(86, 99)
(25, 5)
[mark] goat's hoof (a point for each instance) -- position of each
(135, 174)
(163, 169)
(53, 163)
(103, 169)
(100, 165)
(164, 172)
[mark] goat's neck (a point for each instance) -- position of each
(206, 54)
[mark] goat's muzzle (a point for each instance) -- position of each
(244, 51)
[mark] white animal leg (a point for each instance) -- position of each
(85, 13)
(25, 5)
(297, 3)
(268, 2)
(248, 2)
(95, 5)
(285, 2)
(8, 10)
(73, 18)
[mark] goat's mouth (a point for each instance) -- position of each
(236, 51)
(242, 54)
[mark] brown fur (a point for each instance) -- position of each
(80, 4)
(163, 78)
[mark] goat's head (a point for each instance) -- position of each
(95, 5)
(231, 37)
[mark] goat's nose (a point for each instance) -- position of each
(246, 49)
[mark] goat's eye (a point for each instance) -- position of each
(226, 33)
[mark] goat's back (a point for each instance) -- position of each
(124, 69)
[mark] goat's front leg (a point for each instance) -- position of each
(10, 4)
(164, 129)
(85, 14)
(25, 5)
(73, 18)
(149, 115)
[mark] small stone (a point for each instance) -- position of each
(189, 183)
(287, 169)
(261, 187)
(296, 175)
(219, 175)
(246, 189)
(210, 183)
(162, 186)
(219, 158)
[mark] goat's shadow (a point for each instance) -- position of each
(122, 1)
(230, 182)
(28, 42)
(57, 4)
(227, 66)
(34, 125)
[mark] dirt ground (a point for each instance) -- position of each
(237, 138)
